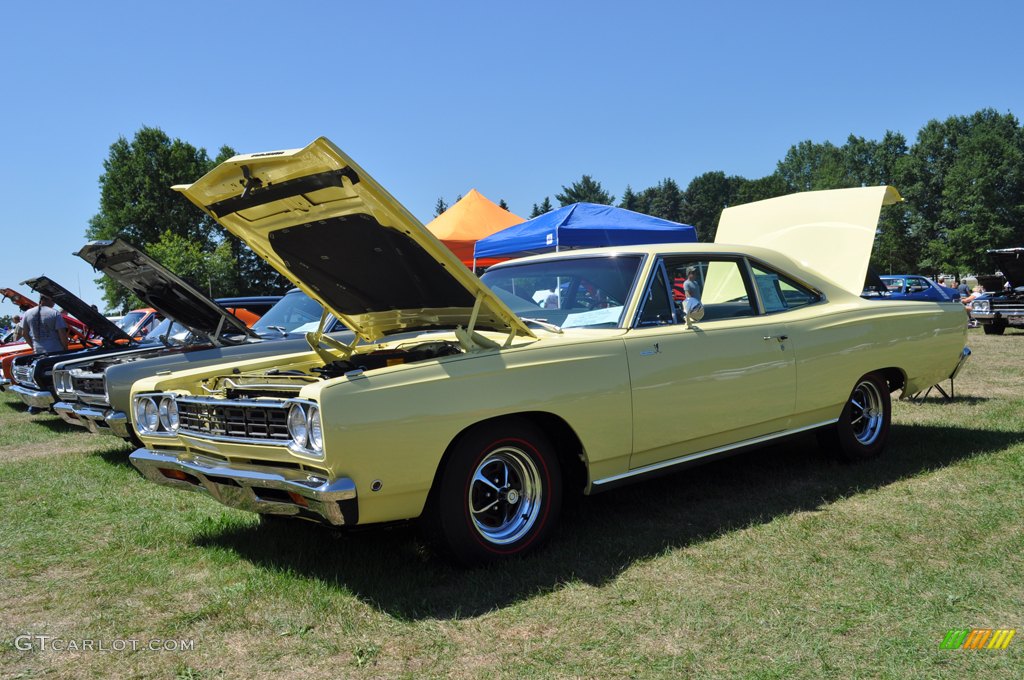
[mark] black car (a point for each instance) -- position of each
(1002, 305)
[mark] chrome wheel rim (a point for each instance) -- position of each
(505, 495)
(867, 414)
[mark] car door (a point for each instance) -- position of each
(729, 377)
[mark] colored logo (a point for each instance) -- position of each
(978, 638)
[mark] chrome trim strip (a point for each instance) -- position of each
(214, 401)
(322, 495)
(203, 436)
(33, 398)
(710, 452)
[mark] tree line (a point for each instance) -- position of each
(962, 178)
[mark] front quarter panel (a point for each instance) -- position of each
(395, 425)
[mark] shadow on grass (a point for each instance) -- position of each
(54, 423)
(12, 404)
(601, 535)
(118, 456)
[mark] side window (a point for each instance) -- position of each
(780, 293)
(719, 284)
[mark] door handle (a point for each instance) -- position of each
(780, 338)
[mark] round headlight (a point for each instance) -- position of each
(297, 425)
(169, 414)
(147, 416)
(316, 430)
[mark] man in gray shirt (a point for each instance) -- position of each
(44, 328)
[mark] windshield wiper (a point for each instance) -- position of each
(544, 324)
(280, 329)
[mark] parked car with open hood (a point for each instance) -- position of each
(78, 336)
(94, 391)
(32, 373)
(191, 321)
(464, 403)
(1002, 306)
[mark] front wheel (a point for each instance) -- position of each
(993, 329)
(863, 426)
(499, 495)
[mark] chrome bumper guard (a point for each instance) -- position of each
(97, 421)
(33, 398)
(964, 356)
(256, 488)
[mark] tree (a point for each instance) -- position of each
(544, 207)
(630, 201)
(440, 206)
(586, 190)
(750, 190)
(503, 205)
(138, 205)
(964, 178)
(809, 166)
(703, 201)
(667, 201)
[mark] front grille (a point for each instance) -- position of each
(23, 375)
(88, 385)
(227, 419)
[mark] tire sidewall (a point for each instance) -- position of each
(850, 448)
(459, 535)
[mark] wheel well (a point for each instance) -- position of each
(894, 376)
(563, 438)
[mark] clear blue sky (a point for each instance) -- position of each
(514, 99)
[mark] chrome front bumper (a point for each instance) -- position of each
(96, 420)
(33, 398)
(256, 488)
(4, 382)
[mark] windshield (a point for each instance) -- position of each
(130, 320)
(296, 311)
(172, 329)
(572, 292)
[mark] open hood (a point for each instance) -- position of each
(78, 308)
(1010, 261)
(830, 232)
(323, 222)
(162, 290)
(17, 299)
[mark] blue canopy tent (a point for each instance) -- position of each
(582, 225)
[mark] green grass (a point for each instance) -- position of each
(777, 563)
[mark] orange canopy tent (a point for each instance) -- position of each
(474, 217)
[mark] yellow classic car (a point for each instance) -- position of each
(475, 404)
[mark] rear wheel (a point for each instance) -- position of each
(499, 495)
(864, 423)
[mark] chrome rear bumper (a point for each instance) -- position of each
(96, 420)
(33, 398)
(256, 488)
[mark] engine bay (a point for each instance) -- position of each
(287, 382)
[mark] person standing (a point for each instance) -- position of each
(44, 328)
